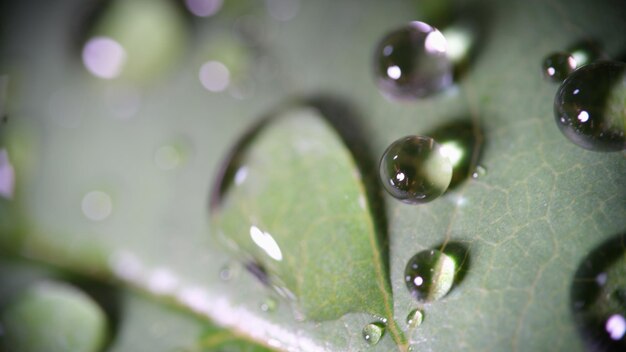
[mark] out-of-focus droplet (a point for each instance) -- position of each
(412, 62)
(429, 275)
(214, 76)
(104, 57)
(97, 205)
(269, 305)
(51, 316)
(203, 8)
(480, 171)
(282, 10)
(557, 66)
(414, 170)
(598, 304)
(590, 106)
(7, 175)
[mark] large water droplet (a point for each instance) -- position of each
(411, 62)
(429, 275)
(597, 297)
(52, 316)
(414, 318)
(590, 106)
(373, 332)
(557, 66)
(414, 170)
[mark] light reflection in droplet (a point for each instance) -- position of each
(616, 326)
(394, 72)
(459, 42)
(203, 8)
(214, 76)
(97, 205)
(435, 42)
(7, 175)
(283, 10)
(241, 175)
(266, 242)
(583, 116)
(104, 57)
(453, 151)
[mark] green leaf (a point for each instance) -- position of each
(522, 228)
(294, 167)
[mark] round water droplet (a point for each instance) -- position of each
(480, 171)
(414, 318)
(269, 305)
(414, 170)
(373, 332)
(97, 205)
(429, 275)
(597, 294)
(411, 62)
(557, 66)
(590, 106)
(52, 316)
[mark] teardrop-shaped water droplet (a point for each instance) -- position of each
(429, 275)
(597, 297)
(411, 62)
(414, 170)
(373, 332)
(590, 106)
(414, 318)
(50, 316)
(557, 66)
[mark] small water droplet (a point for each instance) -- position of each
(557, 66)
(97, 205)
(104, 57)
(227, 272)
(589, 106)
(269, 305)
(597, 297)
(480, 171)
(214, 76)
(373, 332)
(429, 275)
(411, 62)
(414, 318)
(414, 170)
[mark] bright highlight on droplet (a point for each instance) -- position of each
(97, 205)
(203, 8)
(104, 57)
(616, 326)
(435, 42)
(394, 72)
(214, 76)
(453, 151)
(459, 42)
(7, 175)
(583, 116)
(266, 242)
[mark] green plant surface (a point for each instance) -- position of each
(523, 227)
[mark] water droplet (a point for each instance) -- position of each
(414, 318)
(373, 332)
(104, 57)
(590, 108)
(97, 205)
(429, 275)
(585, 52)
(214, 76)
(480, 171)
(414, 170)
(51, 316)
(269, 305)
(597, 297)
(557, 66)
(227, 272)
(203, 8)
(411, 62)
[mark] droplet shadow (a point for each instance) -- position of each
(463, 141)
